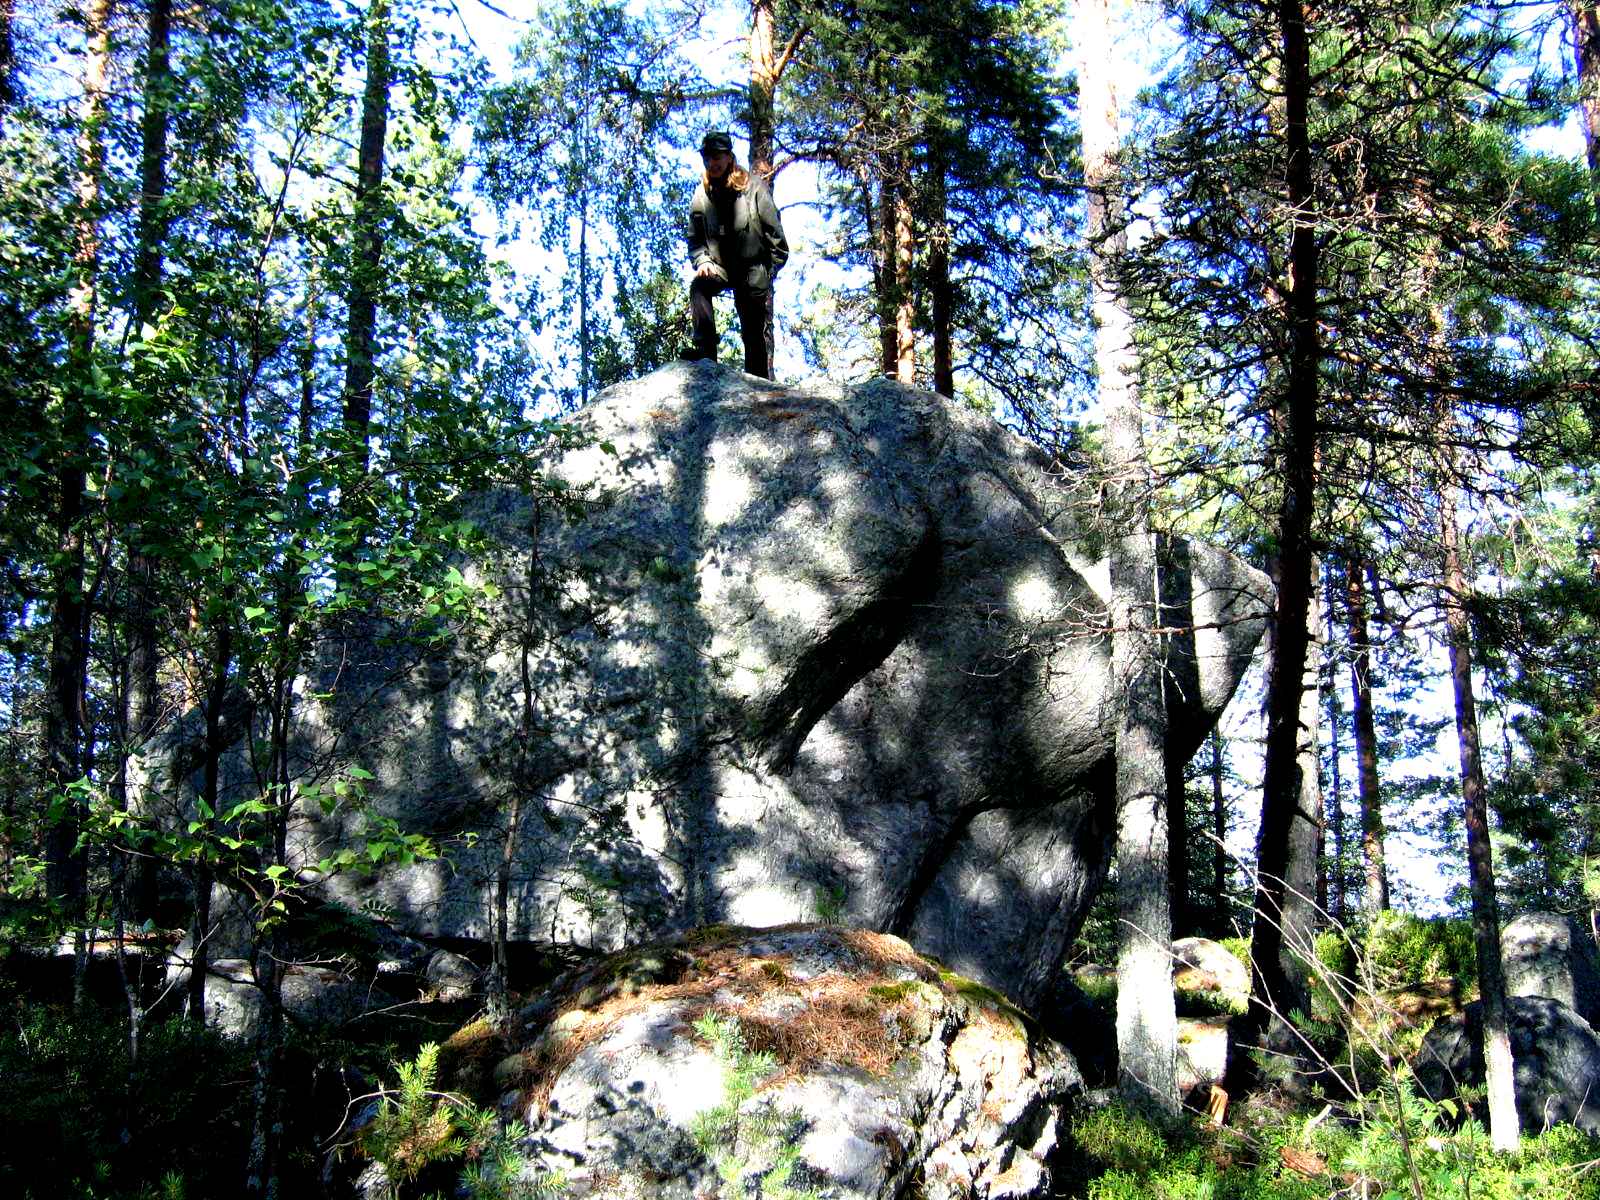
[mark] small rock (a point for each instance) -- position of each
(451, 976)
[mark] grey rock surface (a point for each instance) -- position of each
(1556, 1053)
(1547, 954)
(804, 654)
(317, 998)
(1202, 965)
(885, 1073)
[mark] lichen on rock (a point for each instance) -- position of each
(821, 1060)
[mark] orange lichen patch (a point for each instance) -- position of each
(841, 1022)
(861, 1020)
(883, 951)
(1193, 979)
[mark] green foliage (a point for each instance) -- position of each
(423, 1136)
(748, 1142)
(1118, 1139)
(1403, 949)
(831, 903)
(78, 1122)
(1452, 1158)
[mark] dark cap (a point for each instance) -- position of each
(717, 140)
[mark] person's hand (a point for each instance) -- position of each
(708, 271)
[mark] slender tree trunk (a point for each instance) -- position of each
(884, 277)
(1178, 881)
(1585, 16)
(1334, 902)
(941, 291)
(1301, 914)
(8, 59)
(1503, 1122)
(764, 75)
(367, 242)
(210, 790)
(767, 65)
(1146, 1018)
(69, 610)
(153, 127)
(1295, 457)
(585, 344)
(1375, 894)
(499, 1002)
(142, 695)
(905, 310)
(1219, 834)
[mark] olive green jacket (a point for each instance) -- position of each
(755, 243)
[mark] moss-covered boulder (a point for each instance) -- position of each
(813, 1059)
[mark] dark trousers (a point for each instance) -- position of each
(750, 304)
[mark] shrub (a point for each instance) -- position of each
(77, 1122)
(1403, 950)
(427, 1138)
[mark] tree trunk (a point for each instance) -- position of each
(1503, 1124)
(1302, 916)
(764, 74)
(1146, 1018)
(767, 65)
(941, 291)
(142, 696)
(905, 309)
(367, 242)
(884, 277)
(8, 59)
(69, 609)
(1585, 15)
(210, 790)
(1219, 834)
(1333, 902)
(1295, 458)
(1178, 882)
(1375, 894)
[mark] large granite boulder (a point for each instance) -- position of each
(810, 1057)
(829, 653)
(1556, 1056)
(1548, 954)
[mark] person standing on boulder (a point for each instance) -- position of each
(735, 242)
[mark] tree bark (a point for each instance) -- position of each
(142, 696)
(767, 65)
(8, 59)
(1295, 456)
(1504, 1132)
(941, 291)
(905, 309)
(1302, 916)
(1585, 16)
(884, 277)
(69, 610)
(210, 792)
(1146, 1017)
(1219, 834)
(1375, 894)
(367, 242)
(1333, 899)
